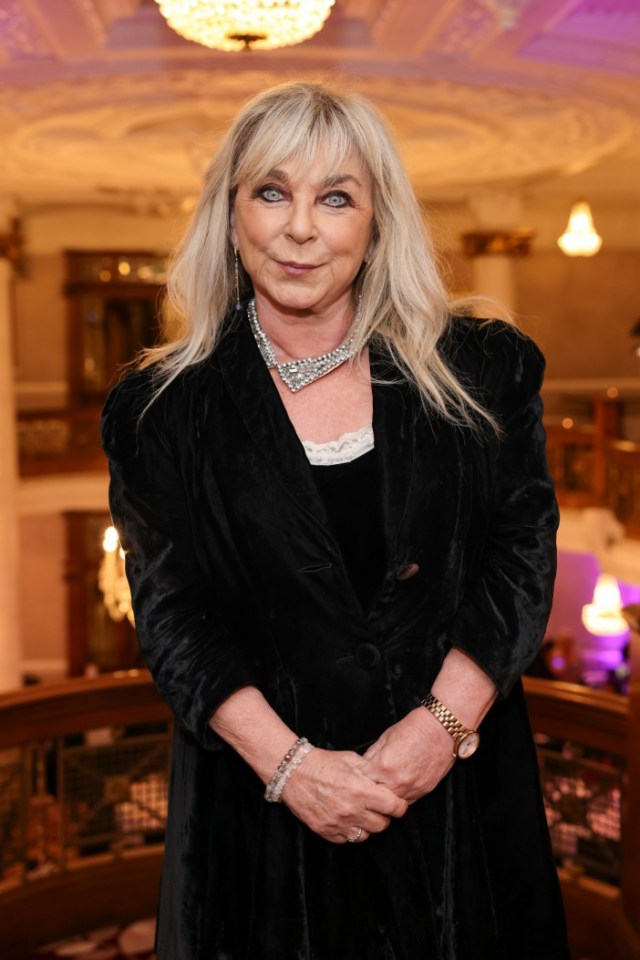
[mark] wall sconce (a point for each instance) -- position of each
(580, 239)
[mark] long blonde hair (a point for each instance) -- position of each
(403, 303)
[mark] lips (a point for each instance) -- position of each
(292, 267)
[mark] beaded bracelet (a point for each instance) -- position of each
(292, 758)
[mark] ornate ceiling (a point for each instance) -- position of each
(101, 102)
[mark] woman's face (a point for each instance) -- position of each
(303, 234)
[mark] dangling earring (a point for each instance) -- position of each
(236, 274)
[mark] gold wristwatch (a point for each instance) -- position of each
(465, 741)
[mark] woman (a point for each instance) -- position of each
(339, 531)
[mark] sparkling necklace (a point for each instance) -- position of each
(297, 374)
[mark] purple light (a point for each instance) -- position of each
(575, 583)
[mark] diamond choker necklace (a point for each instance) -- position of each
(297, 374)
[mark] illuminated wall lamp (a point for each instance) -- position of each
(580, 239)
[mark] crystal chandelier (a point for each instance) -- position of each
(580, 238)
(246, 24)
(112, 578)
(506, 12)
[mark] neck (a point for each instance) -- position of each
(304, 333)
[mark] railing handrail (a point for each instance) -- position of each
(571, 711)
(78, 704)
(563, 711)
(84, 703)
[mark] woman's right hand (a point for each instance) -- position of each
(328, 791)
(334, 798)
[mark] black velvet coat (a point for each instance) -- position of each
(237, 579)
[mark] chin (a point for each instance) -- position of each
(295, 300)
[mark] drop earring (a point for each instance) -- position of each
(236, 274)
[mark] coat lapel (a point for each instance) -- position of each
(256, 398)
(419, 463)
(394, 416)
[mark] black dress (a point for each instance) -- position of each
(350, 493)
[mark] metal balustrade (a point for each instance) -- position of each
(83, 785)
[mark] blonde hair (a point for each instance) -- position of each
(403, 303)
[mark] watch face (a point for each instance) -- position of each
(468, 745)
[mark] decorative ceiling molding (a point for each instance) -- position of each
(20, 36)
(473, 23)
(449, 134)
(73, 29)
(99, 99)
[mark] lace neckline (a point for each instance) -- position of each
(343, 450)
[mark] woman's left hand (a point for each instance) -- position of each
(412, 756)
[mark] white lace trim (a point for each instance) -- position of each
(343, 450)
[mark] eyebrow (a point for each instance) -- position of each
(333, 181)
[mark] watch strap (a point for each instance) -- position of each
(452, 725)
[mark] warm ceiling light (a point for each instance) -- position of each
(580, 238)
(244, 24)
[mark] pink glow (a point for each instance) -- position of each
(576, 579)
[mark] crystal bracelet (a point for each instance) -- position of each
(292, 758)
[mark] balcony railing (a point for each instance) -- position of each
(60, 441)
(83, 795)
(83, 776)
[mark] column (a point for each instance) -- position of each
(10, 245)
(494, 244)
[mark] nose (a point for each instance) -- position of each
(301, 226)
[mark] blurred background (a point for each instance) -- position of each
(518, 121)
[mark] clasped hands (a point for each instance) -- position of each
(335, 793)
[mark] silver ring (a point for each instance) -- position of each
(356, 838)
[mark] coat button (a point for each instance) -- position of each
(405, 573)
(367, 656)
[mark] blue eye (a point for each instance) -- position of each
(336, 199)
(271, 194)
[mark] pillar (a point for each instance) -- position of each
(9, 607)
(494, 244)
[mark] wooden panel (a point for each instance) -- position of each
(593, 914)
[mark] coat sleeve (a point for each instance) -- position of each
(504, 611)
(195, 659)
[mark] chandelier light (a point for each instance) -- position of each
(506, 12)
(580, 238)
(246, 24)
(603, 617)
(112, 578)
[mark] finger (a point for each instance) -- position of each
(386, 802)
(356, 835)
(375, 823)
